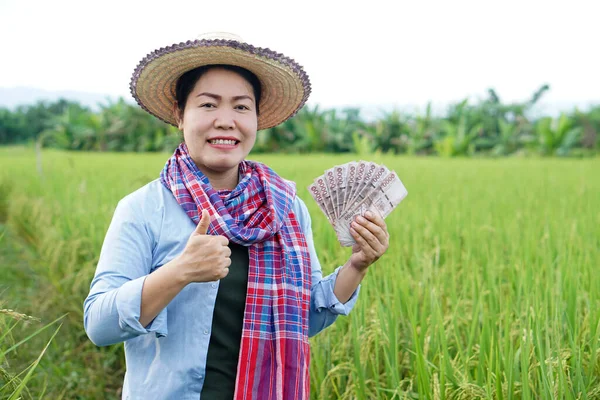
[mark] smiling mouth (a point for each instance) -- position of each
(223, 142)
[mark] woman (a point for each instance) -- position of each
(209, 274)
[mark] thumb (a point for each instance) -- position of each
(202, 227)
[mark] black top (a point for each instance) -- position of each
(227, 324)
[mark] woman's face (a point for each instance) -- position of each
(219, 121)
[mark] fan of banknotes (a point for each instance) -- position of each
(351, 189)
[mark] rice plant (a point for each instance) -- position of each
(489, 288)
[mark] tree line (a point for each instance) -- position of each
(488, 127)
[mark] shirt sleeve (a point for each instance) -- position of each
(112, 307)
(325, 306)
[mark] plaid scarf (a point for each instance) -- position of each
(274, 352)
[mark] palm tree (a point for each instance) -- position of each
(557, 136)
(74, 129)
(459, 139)
(422, 133)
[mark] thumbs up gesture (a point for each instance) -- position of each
(205, 257)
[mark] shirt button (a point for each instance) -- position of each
(214, 285)
(206, 331)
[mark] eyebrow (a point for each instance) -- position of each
(217, 97)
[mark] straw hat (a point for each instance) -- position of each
(285, 86)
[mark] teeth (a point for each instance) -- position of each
(222, 141)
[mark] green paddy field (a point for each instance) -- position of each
(490, 288)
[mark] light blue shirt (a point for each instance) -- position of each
(167, 358)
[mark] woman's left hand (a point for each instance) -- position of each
(372, 240)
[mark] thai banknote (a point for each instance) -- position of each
(351, 189)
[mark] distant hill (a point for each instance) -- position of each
(12, 97)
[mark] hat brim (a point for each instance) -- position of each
(285, 86)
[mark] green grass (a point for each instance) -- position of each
(489, 288)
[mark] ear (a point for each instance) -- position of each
(178, 116)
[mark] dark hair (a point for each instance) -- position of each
(187, 81)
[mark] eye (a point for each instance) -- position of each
(207, 105)
(242, 107)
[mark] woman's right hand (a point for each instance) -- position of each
(205, 257)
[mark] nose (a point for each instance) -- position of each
(224, 120)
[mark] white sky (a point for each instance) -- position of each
(355, 52)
